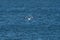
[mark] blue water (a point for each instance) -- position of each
(43, 25)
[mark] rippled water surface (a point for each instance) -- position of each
(29, 19)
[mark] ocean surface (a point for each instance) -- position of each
(29, 19)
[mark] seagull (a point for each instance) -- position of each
(29, 17)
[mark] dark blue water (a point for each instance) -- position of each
(44, 22)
